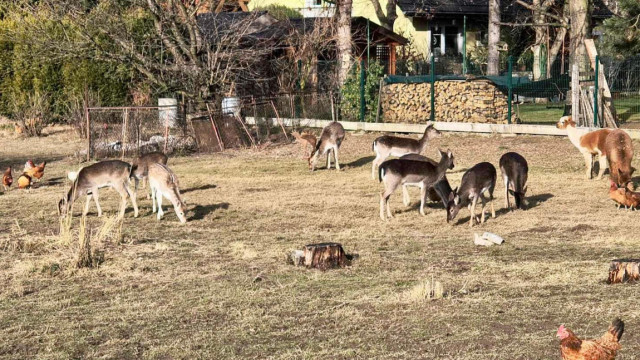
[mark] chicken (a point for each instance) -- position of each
(604, 348)
(37, 171)
(621, 196)
(24, 181)
(28, 165)
(7, 179)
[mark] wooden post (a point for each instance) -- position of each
(575, 93)
(392, 59)
(379, 101)
(86, 114)
(215, 128)
(333, 112)
(255, 116)
(324, 256)
(239, 119)
(166, 135)
(125, 124)
(279, 120)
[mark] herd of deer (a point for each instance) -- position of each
(409, 168)
(117, 174)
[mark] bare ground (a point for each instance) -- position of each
(219, 287)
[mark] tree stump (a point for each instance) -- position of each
(624, 270)
(325, 256)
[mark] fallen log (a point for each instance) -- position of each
(624, 270)
(320, 256)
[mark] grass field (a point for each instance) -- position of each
(219, 287)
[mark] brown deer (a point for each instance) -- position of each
(305, 139)
(619, 150)
(387, 145)
(141, 164)
(514, 169)
(589, 144)
(439, 192)
(110, 173)
(422, 174)
(475, 182)
(330, 140)
(164, 183)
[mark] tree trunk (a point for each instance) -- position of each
(493, 62)
(579, 30)
(624, 270)
(386, 20)
(344, 39)
(324, 256)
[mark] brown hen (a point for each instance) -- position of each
(7, 179)
(604, 348)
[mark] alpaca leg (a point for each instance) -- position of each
(588, 162)
(602, 160)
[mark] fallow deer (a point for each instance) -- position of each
(439, 192)
(589, 144)
(387, 145)
(423, 174)
(164, 183)
(110, 173)
(619, 150)
(514, 169)
(330, 140)
(304, 140)
(475, 182)
(141, 164)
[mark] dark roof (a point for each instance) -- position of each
(358, 27)
(249, 22)
(427, 8)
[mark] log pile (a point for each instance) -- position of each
(478, 101)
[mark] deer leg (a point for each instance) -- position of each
(134, 202)
(374, 164)
(328, 159)
(86, 205)
(405, 196)
(484, 202)
(493, 211)
(94, 192)
(473, 210)
(423, 195)
(506, 192)
(389, 188)
(335, 156)
(159, 200)
(602, 160)
(588, 162)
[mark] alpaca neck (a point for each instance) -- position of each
(574, 136)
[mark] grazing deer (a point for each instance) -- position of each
(422, 174)
(304, 140)
(589, 144)
(387, 145)
(619, 150)
(109, 173)
(330, 140)
(475, 182)
(515, 170)
(141, 166)
(163, 182)
(439, 192)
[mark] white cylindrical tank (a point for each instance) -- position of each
(231, 106)
(168, 111)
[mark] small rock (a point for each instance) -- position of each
(478, 240)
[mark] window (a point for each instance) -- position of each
(451, 40)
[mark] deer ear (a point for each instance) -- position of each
(451, 195)
(456, 199)
(449, 153)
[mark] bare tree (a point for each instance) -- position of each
(493, 62)
(344, 45)
(388, 18)
(580, 18)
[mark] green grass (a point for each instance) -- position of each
(219, 287)
(538, 113)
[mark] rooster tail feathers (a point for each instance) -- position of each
(617, 328)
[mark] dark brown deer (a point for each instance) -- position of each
(388, 145)
(110, 173)
(619, 150)
(422, 174)
(330, 140)
(514, 170)
(439, 192)
(475, 182)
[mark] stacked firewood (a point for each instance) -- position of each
(478, 101)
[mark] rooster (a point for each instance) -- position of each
(604, 348)
(28, 165)
(36, 172)
(623, 197)
(7, 179)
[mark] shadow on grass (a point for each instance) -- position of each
(532, 201)
(361, 162)
(52, 182)
(201, 211)
(203, 187)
